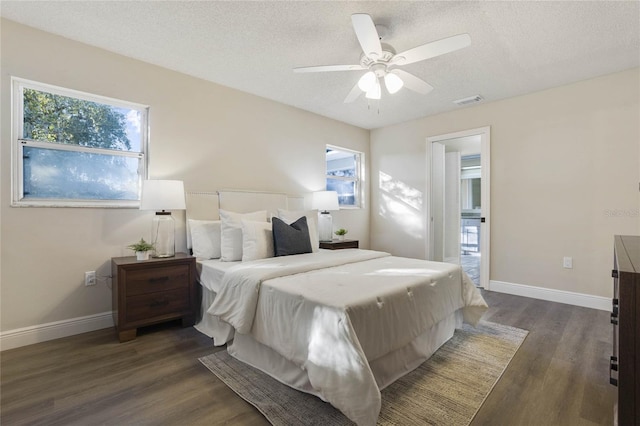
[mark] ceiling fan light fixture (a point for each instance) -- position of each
(367, 81)
(378, 58)
(375, 92)
(393, 83)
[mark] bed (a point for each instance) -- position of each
(341, 325)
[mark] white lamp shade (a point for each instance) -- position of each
(375, 92)
(162, 195)
(367, 81)
(325, 200)
(393, 83)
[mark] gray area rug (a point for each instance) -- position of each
(447, 389)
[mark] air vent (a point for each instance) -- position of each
(469, 100)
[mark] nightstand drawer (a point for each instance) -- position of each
(146, 292)
(144, 281)
(151, 305)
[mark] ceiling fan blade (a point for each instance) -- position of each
(323, 68)
(412, 82)
(353, 94)
(431, 50)
(367, 35)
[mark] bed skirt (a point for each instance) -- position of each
(386, 369)
(210, 325)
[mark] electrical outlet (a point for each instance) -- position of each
(567, 262)
(90, 278)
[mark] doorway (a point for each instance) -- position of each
(458, 206)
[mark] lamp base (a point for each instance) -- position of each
(325, 226)
(164, 235)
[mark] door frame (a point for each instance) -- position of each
(485, 196)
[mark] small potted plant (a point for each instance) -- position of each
(142, 249)
(341, 233)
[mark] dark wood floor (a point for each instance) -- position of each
(560, 374)
(558, 377)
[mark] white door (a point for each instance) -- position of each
(437, 202)
(436, 211)
(452, 208)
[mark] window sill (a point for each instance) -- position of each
(78, 204)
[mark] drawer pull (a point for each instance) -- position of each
(158, 279)
(613, 366)
(159, 303)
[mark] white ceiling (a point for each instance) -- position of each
(516, 47)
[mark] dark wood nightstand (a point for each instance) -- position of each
(338, 244)
(150, 291)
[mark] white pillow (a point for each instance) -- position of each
(205, 238)
(290, 216)
(257, 240)
(231, 233)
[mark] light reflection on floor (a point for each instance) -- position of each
(471, 265)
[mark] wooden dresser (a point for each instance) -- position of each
(625, 317)
(150, 291)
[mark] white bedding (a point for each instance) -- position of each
(211, 271)
(334, 313)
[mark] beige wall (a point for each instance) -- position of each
(210, 136)
(561, 159)
(565, 168)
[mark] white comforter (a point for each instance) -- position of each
(332, 312)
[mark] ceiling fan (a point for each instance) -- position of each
(381, 61)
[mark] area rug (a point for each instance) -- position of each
(448, 389)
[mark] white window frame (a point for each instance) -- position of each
(359, 179)
(19, 143)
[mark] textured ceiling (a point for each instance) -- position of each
(516, 47)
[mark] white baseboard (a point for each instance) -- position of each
(54, 330)
(560, 296)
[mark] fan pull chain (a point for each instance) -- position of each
(369, 106)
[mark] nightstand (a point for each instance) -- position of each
(146, 292)
(338, 244)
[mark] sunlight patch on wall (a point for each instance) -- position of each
(401, 204)
(401, 191)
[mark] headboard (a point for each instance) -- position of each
(207, 205)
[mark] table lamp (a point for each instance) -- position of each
(163, 195)
(325, 201)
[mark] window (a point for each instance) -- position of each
(76, 149)
(344, 175)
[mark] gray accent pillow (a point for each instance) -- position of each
(291, 239)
